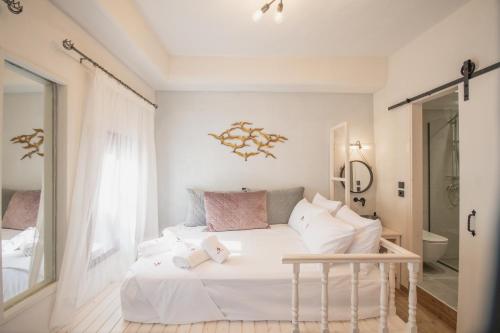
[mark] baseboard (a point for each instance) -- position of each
(442, 310)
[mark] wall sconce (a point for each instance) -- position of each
(358, 146)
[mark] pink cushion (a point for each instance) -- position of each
(22, 210)
(236, 210)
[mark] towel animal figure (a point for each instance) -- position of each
(215, 249)
(188, 256)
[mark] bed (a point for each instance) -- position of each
(252, 285)
(15, 268)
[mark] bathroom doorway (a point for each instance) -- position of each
(441, 188)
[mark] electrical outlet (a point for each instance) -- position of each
(401, 185)
(401, 193)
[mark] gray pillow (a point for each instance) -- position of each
(280, 204)
(196, 209)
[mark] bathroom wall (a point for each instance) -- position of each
(444, 210)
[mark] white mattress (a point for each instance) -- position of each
(251, 285)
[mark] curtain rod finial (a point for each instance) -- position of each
(68, 44)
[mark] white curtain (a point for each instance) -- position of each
(114, 204)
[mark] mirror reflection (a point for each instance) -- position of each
(27, 184)
(361, 176)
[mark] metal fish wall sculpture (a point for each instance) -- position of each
(246, 141)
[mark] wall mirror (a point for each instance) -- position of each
(28, 183)
(361, 176)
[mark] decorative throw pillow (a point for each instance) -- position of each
(22, 211)
(368, 231)
(236, 210)
(331, 206)
(280, 204)
(327, 234)
(303, 214)
(196, 209)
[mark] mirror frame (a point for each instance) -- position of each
(342, 170)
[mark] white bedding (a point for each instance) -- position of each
(251, 285)
(15, 268)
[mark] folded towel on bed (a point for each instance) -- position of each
(188, 256)
(158, 245)
(215, 249)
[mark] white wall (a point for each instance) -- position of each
(188, 157)
(33, 40)
(435, 57)
(22, 113)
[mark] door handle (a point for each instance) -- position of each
(469, 217)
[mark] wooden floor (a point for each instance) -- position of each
(103, 315)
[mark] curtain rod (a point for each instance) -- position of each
(467, 72)
(68, 45)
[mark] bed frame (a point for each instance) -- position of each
(391, 254)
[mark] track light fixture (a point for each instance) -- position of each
(278, 17)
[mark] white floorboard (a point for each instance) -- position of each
(103, 315)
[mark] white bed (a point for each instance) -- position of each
(251, 285)
(15, 268)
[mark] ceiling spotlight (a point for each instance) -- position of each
(258, 14)
(278, 17)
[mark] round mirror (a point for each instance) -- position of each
(361, 176)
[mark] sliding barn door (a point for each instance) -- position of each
(479, 195)
(339, 157)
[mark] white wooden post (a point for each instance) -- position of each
(295, 298)
(354, 297)
(392, 289)
(383, 298)
(324, 298)
(412, 297)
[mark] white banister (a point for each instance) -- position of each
(392, 289)
(324, 298)
(393, 255)
(295, 298)
(383, 298)
(354, 297)
(412, 297)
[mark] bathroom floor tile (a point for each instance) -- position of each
(441, 282)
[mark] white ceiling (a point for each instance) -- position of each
(310, 27)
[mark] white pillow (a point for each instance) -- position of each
(302, 215)
(326, 234)
(331, 206)
(368, 231)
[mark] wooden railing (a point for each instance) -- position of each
(393, 255)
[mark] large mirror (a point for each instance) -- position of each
(28, 183)
(361, 176)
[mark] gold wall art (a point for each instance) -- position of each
(246, 141)
(32, 142)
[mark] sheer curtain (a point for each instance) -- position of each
(114, 204)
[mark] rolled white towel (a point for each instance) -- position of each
(215, 249)
(188, 256)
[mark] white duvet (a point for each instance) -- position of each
(251, 285)
(15, 265)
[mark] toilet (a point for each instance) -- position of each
(434, 246)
